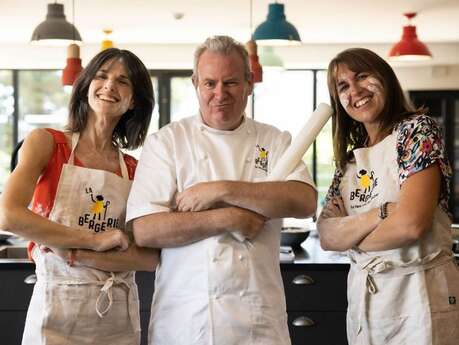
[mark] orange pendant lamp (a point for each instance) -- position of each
(73, 67)
(107, 42)
(410, 48)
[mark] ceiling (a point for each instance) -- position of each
(153, 21)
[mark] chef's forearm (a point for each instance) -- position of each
(272, 199)
(173, 229)
(133, 259)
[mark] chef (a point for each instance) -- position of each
(196, 184)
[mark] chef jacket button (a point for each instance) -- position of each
(241, 293)
(241, 257)
(204, 157)
(202, 128)
(248, 131)
(214, 259)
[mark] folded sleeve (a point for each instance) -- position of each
(155, 183)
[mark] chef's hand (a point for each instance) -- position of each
(202, 196)
(334, 208)
(248, 223)
(110, 239)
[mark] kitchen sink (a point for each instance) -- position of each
(13, 252)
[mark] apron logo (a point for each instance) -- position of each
(97, 219)
(367, 183)
(452, 300)
(261, 161)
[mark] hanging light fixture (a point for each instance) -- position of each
(107, 42)
(409, 48)
(55, 30)
(269, 59)
(251, 47)
(73, 67)
(276, 30)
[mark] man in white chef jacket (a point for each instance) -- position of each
(198, 181)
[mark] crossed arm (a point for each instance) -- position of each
(211, 208)
(407, 221)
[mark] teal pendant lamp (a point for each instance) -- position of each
(276, 30)
(55, 30)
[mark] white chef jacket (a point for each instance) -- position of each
(215, 291)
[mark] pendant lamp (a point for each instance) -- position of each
(269, 59)
(55, 30)
(409, 48)
(251, 46)
(107, 42)
(276, 30)
(255, 66)
(73, 67)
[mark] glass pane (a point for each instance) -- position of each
(43, 101)
(284, 99)
(324, 143)
(6, 123)
(154, 123)
(184, 102)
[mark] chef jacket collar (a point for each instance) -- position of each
(243, 126)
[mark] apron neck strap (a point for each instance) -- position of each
(76, 138)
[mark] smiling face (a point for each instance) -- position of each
(110, 91)
(222, 89)
(361, 94)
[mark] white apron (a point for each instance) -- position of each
(402, 296)
(80, 305)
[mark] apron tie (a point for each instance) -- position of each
(106, 290)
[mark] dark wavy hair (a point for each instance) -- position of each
(131, 129)
(349, 134)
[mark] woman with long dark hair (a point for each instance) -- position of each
(77, 182)
(388, 208)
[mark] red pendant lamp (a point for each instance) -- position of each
(410, 48)
(73, 67)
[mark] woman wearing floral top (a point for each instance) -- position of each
(388, 208)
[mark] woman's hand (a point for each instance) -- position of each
(334, 208)
(110, 239)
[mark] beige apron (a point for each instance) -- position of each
(408, 295)
(80, 305)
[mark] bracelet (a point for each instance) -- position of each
(71, 257)
(383, 210)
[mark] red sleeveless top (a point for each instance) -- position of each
(45, 190)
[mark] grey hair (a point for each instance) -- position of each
(224, 45)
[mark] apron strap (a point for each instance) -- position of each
(76, 138)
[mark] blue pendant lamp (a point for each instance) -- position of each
(55, 30)
(276, 30)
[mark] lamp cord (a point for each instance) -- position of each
(251, 25)
(73, 19)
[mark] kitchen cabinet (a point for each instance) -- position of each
(316, 303)
(315, 295)
(15, 292)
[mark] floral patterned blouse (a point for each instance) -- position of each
(419, 145)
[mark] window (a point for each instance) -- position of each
(285, 99)
(43, 102)
(6, 123)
